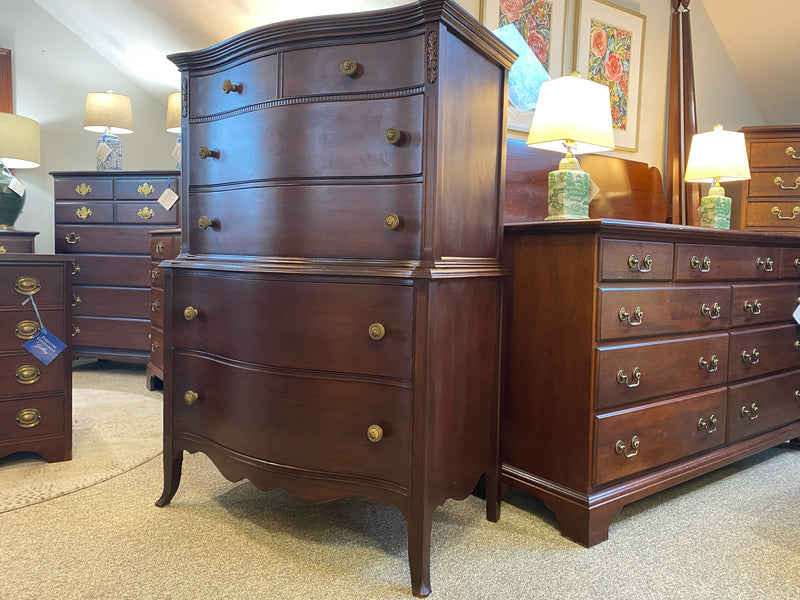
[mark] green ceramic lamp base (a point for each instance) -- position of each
(567, 195)
(715, 210)
(11, 203)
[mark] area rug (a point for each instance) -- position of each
(112, 432)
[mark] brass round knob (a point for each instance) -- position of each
(348, 67)
(376, 331)
(392, 136)
(189, 313)
(204, 222)
(28, 417)
(228, 87)
(374, 433)
(204, 152)
(391, 221)
(190, 397)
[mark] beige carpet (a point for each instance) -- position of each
(112, 432)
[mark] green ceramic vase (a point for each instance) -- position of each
(10, 202)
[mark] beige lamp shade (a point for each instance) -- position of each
(717, 155)
(174, 113)
(572, 108)
(19, 141)
(108, 113)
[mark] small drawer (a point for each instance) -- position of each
(146, 189)
(365, 221)
(249, 83)
(633, 440)
(18, 281)
(165, 246)
(780, 214)
(761, 405)
(105, 238)
(705, 263)
(83, 189)
(625, 260)
(355, 68)
(156, 275)
(310, 423)
(43, 416)
(775, 184)
(637, 312)
(84, 212)
(634, 372)
(24, 374)
(790, 262)
(106, 332)
(127, 302)
(146, 213)
(764, 303)
(111, 269)
(157, 307)
(777, 153)
(264, 145)
(16, 244)
(18, 326)
(157, 349)
(763, 350)
(322, 326)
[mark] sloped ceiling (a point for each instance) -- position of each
(136, 35)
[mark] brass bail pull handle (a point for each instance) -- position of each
(777, 212)
(709, 426)
(643, 266)
(765, 263)
(750, 357)
(704, 266)
(712, 312)
(621, 447)
(792, 154)
(636, 378)
(753, 307)
(633, 320)
(709, 365)
(779, 182)
(751, 412)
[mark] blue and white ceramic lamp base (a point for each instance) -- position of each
(112, 162)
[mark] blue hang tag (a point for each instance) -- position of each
(45, 346)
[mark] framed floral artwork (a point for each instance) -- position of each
(543, 25)
(608, 49)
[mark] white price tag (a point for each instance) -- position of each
(103, 151)
(168, 199)
(176, 152)
(16, 186)
(796, 313)
(593, 189)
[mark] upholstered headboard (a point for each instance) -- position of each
(629, 189)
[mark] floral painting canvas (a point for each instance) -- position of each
(534, 20)
(610, 64)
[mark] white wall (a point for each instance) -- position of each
(53, 70)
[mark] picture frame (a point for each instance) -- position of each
(550, 19)
(609, 47)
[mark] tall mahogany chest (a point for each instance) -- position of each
(332, 323)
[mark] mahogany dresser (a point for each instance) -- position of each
(103, 219)
(640, 355)
(164, 244)
(771, 198)
(333, 322)
(35, 399)
(16, 241)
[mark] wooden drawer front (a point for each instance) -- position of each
(382, 66)
(83, 189)
(783, 184)
(780, 214)
(790, 262)
(24, 374)
(47, 283)
(300, 422)
(51, 409)
(634, 372)
(22, 245)
(124, 302)
(764, 350)
(114, 240)
(636, 312)
(763, 404)
(764, 303)
(105, 269)
(311, 221)
(163, 247)
(157, 348)
(18, 326)
(144, 189)
(146, 213)
(157, 307)
(297, 324)
(264, 144)
(703, 263)
(774, 153)
(627, 260)
(666, 431)
(256, 81)
(156, 275)
(84, 212)
(105, 332)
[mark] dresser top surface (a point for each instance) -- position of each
(112, 174)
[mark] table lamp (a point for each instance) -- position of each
(19, 149)
(716, 156)
(174, 124)
(573, 115)
(111, 115)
